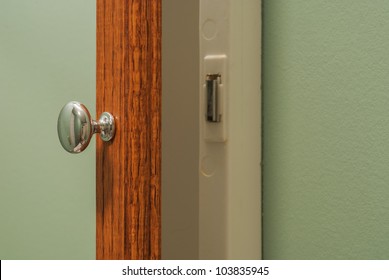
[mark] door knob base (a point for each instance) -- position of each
(105, 126)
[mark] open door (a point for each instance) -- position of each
(47, 196)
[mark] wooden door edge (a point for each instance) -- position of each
(128, 169)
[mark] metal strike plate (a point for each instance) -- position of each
(213, 107)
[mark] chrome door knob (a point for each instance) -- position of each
(76, 127)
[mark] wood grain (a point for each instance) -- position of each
(128, 220)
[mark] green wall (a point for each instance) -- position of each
(47, 196)
(326, 129)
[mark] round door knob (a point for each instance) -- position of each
(76, 127)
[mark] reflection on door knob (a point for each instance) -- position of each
(76, 127)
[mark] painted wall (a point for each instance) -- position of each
(47, 196)
(326, 148)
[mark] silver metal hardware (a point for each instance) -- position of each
(76, 127)
(212, 82)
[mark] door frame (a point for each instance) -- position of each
(230, 216)
(209, 186)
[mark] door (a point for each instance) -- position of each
(49, 198)
(326, 155)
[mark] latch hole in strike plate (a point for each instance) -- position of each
(212, 82)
